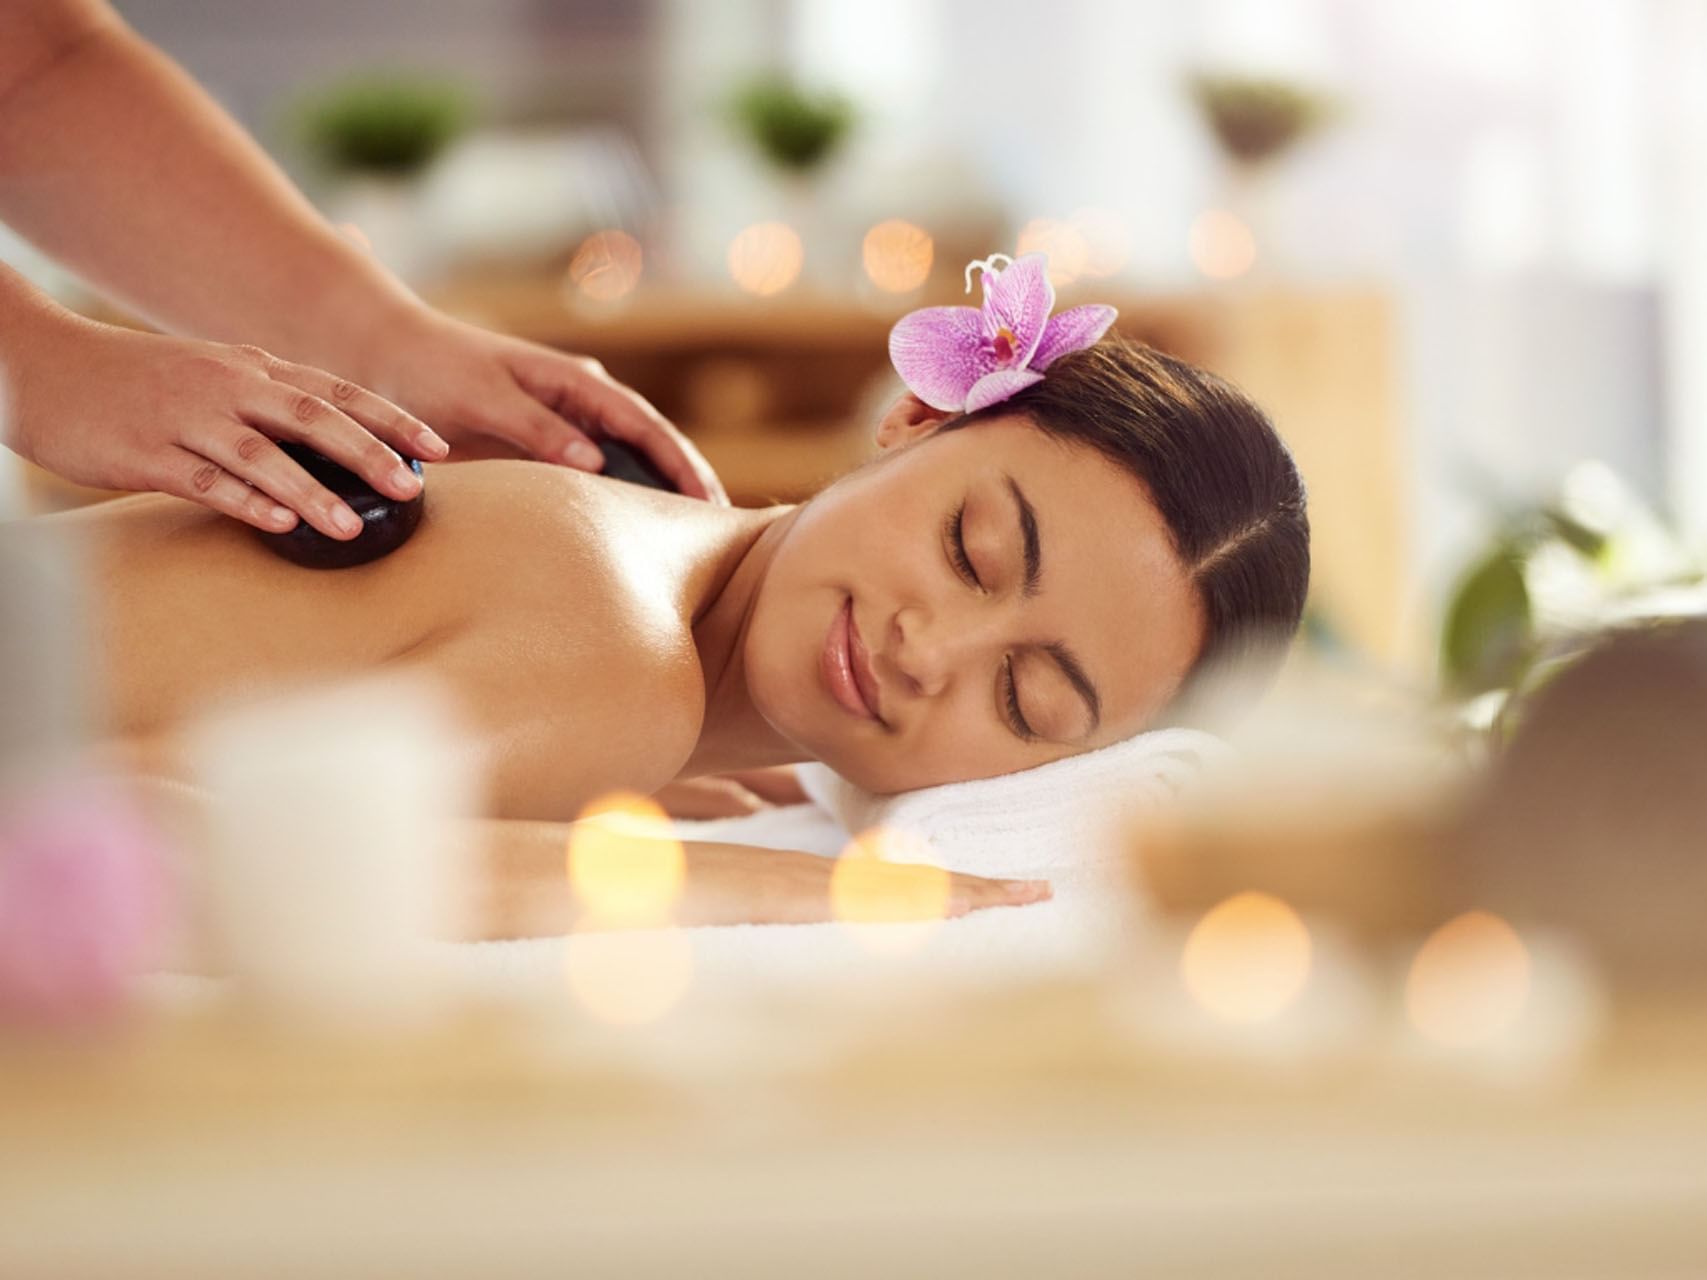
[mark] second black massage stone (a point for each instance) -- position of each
(625, 462)
(386, 522)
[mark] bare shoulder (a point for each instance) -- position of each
(576, 659)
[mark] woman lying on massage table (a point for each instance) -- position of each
(1002, 588)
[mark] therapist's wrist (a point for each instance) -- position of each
(347, 315)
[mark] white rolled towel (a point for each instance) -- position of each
(1068, 813)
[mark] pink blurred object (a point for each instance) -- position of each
(83, 902)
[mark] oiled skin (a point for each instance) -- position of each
(558, 609)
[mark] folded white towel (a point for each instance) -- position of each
(1069, 813)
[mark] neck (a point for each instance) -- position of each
(733, 735)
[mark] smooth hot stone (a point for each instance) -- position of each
(624, 462)
(387, 522)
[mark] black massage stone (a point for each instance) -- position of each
(386, 522)
(624, 462)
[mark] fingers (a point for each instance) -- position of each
(285, 411)
(974, 893)
(253, 460)
(626, 415)
(580, 389)
(701, 798)
(539, 433)
(189, 475)
(404, 432)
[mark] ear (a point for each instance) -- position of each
(908, 419)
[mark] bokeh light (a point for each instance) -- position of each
(629, 977)
(1061, 242)
(1469, 982)
(766, 258)
(625, 864)
(1107, 239)
(897, 256)
(1222, 246)
(1247, 959)
(881, 879)
(606, 267)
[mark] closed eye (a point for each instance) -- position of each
(954, 530)
(1016, 718)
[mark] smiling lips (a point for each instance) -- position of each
(846, 666)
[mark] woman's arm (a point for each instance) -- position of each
(119, 165)
(526, 890)
(212, 239)
(522, 887)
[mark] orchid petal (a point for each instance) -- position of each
(1073, 330)
(940, 354)
(1019, 299)
(995, 387)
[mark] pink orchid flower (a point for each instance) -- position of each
(963, 359)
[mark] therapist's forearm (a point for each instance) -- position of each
(117, 164)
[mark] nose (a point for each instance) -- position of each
(927, 648)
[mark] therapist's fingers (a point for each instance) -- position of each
(520, 419)
(283, 411)
(190, 475)
(579, 390)
(401, 430)
(249, 456)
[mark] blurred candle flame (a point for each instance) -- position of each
(1247, 960)
(1221, 245)
(1107, 239)
(1061, 242)
(629, 977)
(627, 870)
(766, 258)
(606, 267)
(625, 864)
(897, 256)
(881, 879)
(1469, 981)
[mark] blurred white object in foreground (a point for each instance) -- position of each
(334, 853)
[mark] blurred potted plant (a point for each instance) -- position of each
(1255, 121)
(375, 136)
(796, 132)
(1555, 578)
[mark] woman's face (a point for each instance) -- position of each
(979, 602)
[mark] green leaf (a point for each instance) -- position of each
(1488, 636)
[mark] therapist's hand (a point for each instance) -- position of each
(492, 395)
(118, 409)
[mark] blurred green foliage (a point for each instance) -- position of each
(1489, 630)
(1256, 118)
(1549, 585)
(387, 124)
(795, 130)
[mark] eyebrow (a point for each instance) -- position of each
(1062, 655)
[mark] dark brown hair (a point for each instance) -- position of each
(1214, 466)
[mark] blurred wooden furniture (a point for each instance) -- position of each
(782, 393)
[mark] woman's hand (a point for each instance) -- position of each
(731, 795)
(492, 395)
(739, 884)
(118, 409)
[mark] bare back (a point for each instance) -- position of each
(557, 608)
